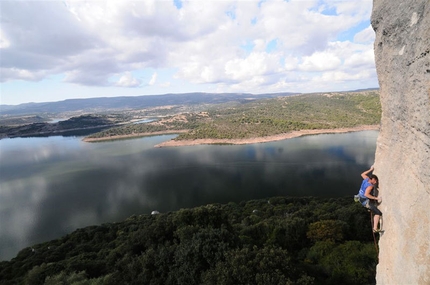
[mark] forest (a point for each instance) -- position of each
(279, 240)
(265, 117)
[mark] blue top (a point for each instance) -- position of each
(363, 187)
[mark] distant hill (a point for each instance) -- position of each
(365, 89)
(94, 105)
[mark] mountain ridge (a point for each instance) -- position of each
(131, 102)
(100, 104)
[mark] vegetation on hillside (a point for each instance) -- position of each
(266, 117)
(74, 123)
(277, 241)
(20, 120)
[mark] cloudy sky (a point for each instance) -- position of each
(55, 50)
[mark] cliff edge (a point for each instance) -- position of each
(402, 54)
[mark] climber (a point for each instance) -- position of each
(368, 198)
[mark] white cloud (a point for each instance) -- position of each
(153, 79)
(221, 45)
(320, 61)
(255, 64)
(352, 8)
(365, 36)
(291, 63)
(165, 84)
(365, 59)
(127, 80)
(4, 42)
(20, 74)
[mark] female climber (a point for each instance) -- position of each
(368, 196)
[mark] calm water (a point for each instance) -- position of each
(51, 186)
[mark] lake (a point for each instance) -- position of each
(51, 186)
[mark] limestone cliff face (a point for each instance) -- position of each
(402, 53)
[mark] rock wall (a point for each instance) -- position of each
(402, 54)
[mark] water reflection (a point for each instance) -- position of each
(51, 186)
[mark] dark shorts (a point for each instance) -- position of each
(371, 205)
(374, 209)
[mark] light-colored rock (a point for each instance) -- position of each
(402, 54)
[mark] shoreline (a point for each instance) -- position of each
(278, 137)
(138, 135)
(290, 135)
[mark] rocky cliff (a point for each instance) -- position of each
(402, 53)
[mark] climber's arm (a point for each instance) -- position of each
(368, 195)
(364, 175)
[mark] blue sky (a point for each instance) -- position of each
(56, 50)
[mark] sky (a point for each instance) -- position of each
(56, 50)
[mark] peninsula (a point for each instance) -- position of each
(261, 120)
(290, 135)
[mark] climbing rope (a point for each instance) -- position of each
(374, 237)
